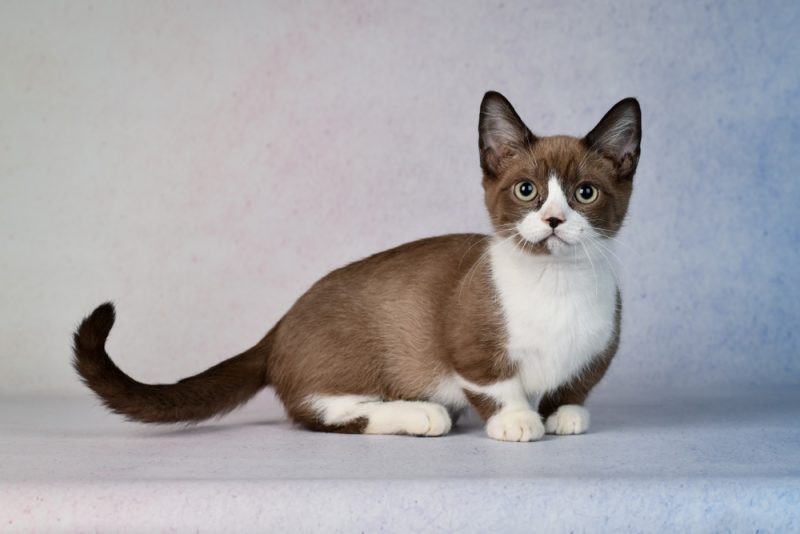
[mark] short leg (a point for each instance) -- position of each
(370, 415)
(568, 419)
(563, 408)
(506, 411)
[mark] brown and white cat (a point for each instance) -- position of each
(402, 341)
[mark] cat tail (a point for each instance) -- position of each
(215, 391)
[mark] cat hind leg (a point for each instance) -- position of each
(370, 415)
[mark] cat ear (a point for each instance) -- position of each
(618, 135)
(502, 134)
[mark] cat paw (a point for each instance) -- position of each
(437, 418)
(519, 425)
(415, 418)
(568, 419)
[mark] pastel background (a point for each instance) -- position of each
(202, 163)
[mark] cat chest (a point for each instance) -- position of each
(555, 325)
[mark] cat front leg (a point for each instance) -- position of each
(568, 419)
(504, 407)
(563, 408)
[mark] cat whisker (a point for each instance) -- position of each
(612, 266)
(599, 243)
(471, 273)
(613, 238)
(479, 241)
(594, 271)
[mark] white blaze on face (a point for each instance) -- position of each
(556, 204)
(536, 227)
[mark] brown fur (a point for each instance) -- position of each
(413, 313)
(215, 391)
(393, 324)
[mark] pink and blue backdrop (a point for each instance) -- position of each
(202, 164)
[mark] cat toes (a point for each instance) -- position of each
(418, 419)
(568, 419)
(415, 418)
(438, 420)
(520, 425)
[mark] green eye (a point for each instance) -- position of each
(586, 193)
(525, 191)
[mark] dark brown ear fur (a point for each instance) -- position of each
(215, 391)
(618, 136)
(501, 133)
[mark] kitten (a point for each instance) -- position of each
(401, 342)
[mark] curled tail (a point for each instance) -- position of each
(215, 391)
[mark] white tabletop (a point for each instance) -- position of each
(702, 460)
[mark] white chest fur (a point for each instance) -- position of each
(559, 312)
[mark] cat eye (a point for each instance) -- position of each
(525, 191)
(586, 193)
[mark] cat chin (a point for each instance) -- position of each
(558, 246)
(549, 246)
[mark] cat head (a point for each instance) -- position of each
(550, 195)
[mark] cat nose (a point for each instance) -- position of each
(554, 221)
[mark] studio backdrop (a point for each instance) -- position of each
(201, 164)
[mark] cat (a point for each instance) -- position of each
(403, 341)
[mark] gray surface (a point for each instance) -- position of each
(702, 460)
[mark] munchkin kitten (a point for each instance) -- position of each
(403, 341)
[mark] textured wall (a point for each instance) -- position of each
(203, 164)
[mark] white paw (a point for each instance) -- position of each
(568, 419)
(407, 417)
(519, 425)
(438, 420)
